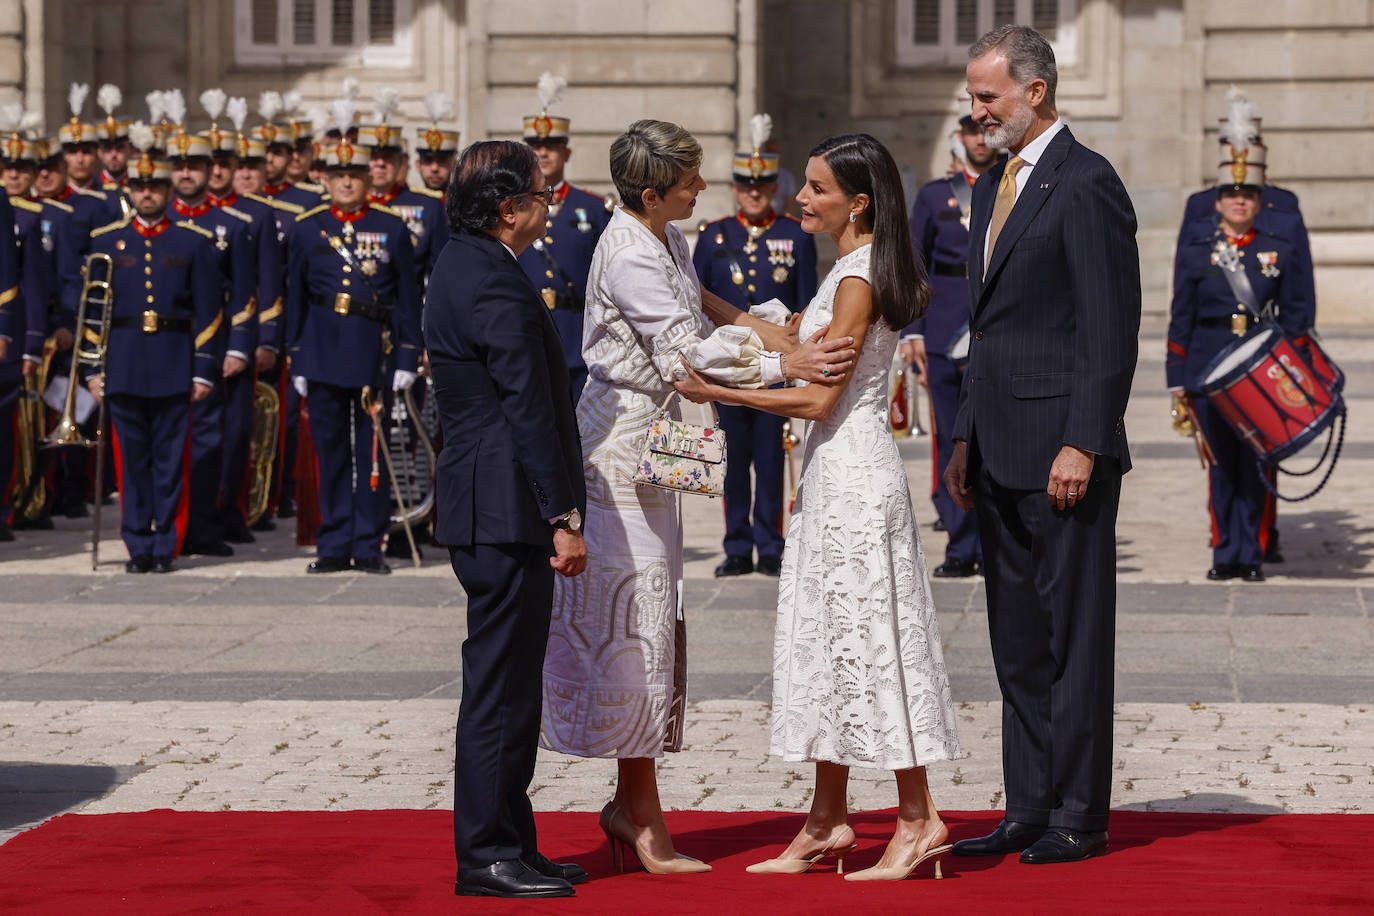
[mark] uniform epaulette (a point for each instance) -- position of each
(238, 213)
(284, 205)
(383, 208)
(187, 224)
(437, 195)
(310, 186)
(23, 203)
(309, 213)
(117, 224)
(65, 208)
(98, 195)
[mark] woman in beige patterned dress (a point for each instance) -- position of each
(616, 669)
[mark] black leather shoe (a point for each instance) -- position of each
(399, 547)
(286, 508)
(20, 523)
(75, 510)
(239, 535)
(1223, 571)
(955, 569)
(375, 565)
(573, 874)
(140, 564)
(265, 524)
(938, 525)
(1010, 836)
(1251, 574)
(208, 549)
(1060, 844)
(329, 565)
(735, 566)
(770, 566)
(163, 565)
(511, 878)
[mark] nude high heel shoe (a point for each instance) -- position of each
(620, 834)
(898, 872)
(841, 844)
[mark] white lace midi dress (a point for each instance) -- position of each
(859, 675)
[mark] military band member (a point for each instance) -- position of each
(163, 354)
(79, 143)
(302, 149)
(14, 321)
(435, 146)
(353, 321)
(279, 138)
(423, 211)
(112, 136)
(1224, 279)
(939, 233)
(747, 259)
(558, 263)
(221, 423)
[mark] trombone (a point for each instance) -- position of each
(93, 330)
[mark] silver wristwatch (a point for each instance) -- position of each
(572, 522)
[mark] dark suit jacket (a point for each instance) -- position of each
(512, 458)
(1054, 320)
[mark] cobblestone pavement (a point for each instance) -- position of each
(247, 685)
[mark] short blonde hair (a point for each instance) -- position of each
(651, 154)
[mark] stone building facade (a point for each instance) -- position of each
(1142, 81)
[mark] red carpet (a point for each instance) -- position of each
(401, 862)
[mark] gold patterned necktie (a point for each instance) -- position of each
(1001, 209)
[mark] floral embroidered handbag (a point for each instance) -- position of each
(682, 456)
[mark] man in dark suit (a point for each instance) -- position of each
(1040, 443)
(509, 494)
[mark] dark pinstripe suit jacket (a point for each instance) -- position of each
(1054, 320)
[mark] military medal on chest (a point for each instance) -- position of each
(583, 224)
(221, 237)
(1269, 262)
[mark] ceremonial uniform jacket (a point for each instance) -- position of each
(92, 208)
(939, 238)
(167, 307)
(37, 278)
(558, 263)
(1203, 303)
(423, 212)
(361, 263)
(746, 265)
(238, 281)
(13, 317)
(268, 264)
(303, 194)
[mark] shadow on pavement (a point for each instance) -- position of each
(1330, 544)
(33, 792)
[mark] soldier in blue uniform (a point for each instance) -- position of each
(1279, 214)
(353, 320)
(436, 147)
(558, 263)
(939, 235)
(747, 259)
(423, 210)
(1223, 280)
(15, 317)
(164, 353)
(279, 140)
(221, 423)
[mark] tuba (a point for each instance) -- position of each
(262, 450)
(29, 495)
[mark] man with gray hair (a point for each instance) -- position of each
(1040, 443)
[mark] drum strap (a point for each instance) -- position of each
(1228, 259)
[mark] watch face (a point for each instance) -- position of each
(575, 520)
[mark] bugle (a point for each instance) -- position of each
(262, 450)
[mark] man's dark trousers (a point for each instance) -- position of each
(1053, 629)
(510, 601)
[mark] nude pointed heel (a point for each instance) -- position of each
(678, 865)
(898, 872)
(839, 847)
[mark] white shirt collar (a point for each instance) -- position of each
(1033, 150)
(509, 250)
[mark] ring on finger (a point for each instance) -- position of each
(825, 370)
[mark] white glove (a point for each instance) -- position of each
(300, 384)
(402, 380)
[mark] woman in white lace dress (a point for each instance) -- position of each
(615, 673)
(859, 676)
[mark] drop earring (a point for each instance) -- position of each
(852, 217)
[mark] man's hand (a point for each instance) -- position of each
(959, 489)
(233, 365)
(264, 358)
(300, 384)
(571, 548)
(821, 361)
(1069, 476)
(95, 387)
(64, 338)
(915, 351)
(200, 391)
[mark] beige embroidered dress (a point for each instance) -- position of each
(615, 674)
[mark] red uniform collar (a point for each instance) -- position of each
(274, 189)
(1240, 241)
(155, 229)
(560, 191)
(106, 177)
(63, 194)
(768, 219)
(349, 217)
(970, 177)
(387, 196)
(185, 209)
(227, 201)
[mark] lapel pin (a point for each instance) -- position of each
(1044, 186)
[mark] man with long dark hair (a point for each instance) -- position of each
(509, 497)
(1040, 443)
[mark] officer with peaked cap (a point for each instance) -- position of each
(747, 259)
(280, 140)
(939, 235)
(558, 264)
(436, 147)
(353, 321)
(165, 350)
(1224, 280)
